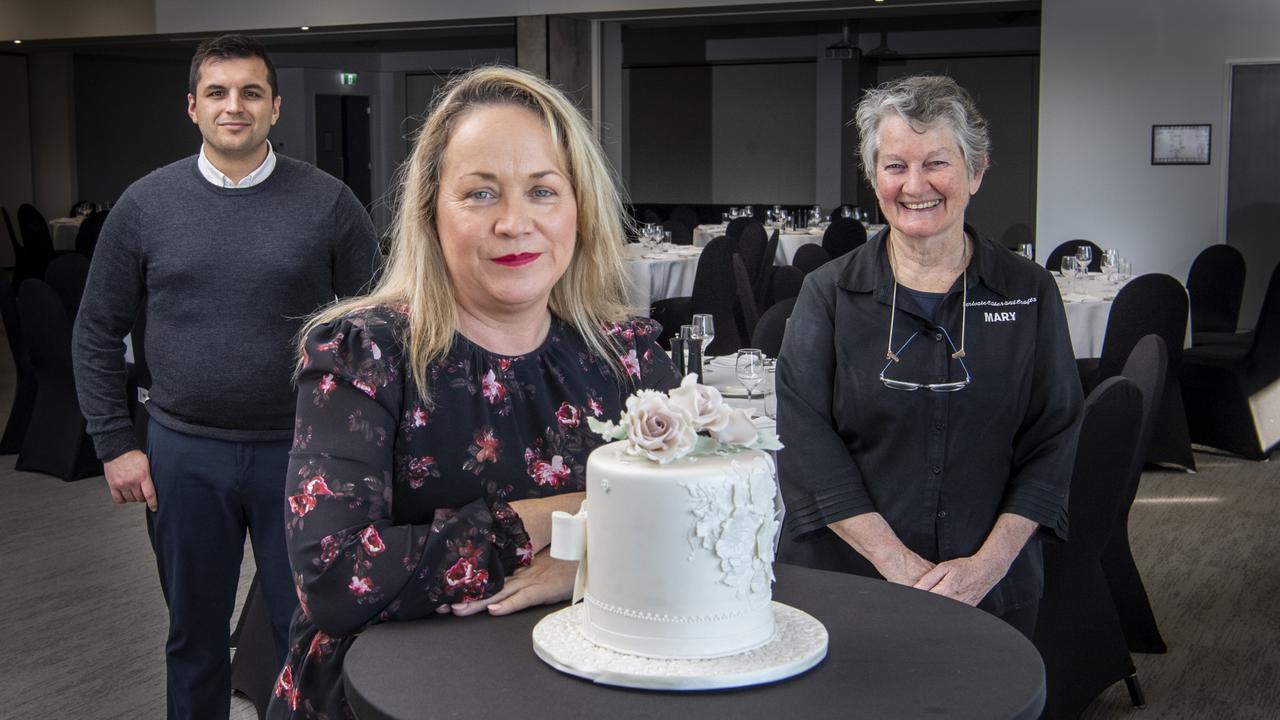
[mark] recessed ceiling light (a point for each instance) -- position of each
(305, 27)
(17, 42)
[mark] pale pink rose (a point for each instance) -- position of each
(656, 429)
(702, 403)
(739, 430)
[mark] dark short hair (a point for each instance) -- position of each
(229, 47)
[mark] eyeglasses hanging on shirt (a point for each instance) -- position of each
(956, 353)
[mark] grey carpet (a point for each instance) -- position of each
(83, 621)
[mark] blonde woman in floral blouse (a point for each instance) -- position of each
(442, 418)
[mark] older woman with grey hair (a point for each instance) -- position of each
(927, 392)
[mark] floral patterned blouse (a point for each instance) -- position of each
(395, 508)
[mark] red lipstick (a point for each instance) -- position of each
(517, 259)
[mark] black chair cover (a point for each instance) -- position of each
(842, 235)
(1019, 234)
(649, 216)
(13, 237)
(1146, 369)
(36, 241)
(810, 257)
(254, 667)
(745, 311)
(714, 292)
(680, 233)
(1215, 285)
(685, 214)
(1078, 631)
(763, 281)
(1151, 304)
(768, 334)
(1224, 385)
(1054, 261)
(786, 283)
(67, 274)
(24, 395)
(751, 246)
(734, 229)
(87, 236)
(56, 442)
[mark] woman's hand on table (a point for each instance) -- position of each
(535, 514)
(967, 579)
(545, 581)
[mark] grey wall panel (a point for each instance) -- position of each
(762, 134)
(131, 118)
(670, 135)
(1005, 90)
(1253, 212)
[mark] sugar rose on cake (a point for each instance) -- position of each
(691, 419)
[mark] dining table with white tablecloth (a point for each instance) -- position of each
(63, 231)
(657, 274)
(789, 240)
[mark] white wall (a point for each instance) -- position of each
(1109, 71)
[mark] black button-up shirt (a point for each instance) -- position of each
(940, 467)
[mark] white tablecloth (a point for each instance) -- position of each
(1088, 303)
(788, 242)
(657, 275)
(63, 230)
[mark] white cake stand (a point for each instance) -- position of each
(799, 643)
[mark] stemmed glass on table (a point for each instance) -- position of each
(1084, 257)
(750, 370)
(1069, 265)
(706, 326)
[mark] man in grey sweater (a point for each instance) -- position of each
(224, 254)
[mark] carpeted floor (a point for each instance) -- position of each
(83, 621)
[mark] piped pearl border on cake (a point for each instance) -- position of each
(799, 643)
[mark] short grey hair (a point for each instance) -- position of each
(924, 102)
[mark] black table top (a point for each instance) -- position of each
(894, 652)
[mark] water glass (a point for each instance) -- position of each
(1084, 255)
(749, 368)
(706, 325)
(1069, 265)
(1027, 250)
(771, 390)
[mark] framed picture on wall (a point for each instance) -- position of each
(1180, 144)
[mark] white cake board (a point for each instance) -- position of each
(799, 643)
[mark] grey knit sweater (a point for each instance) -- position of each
(225, 278)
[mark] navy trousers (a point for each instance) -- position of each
(209, 492)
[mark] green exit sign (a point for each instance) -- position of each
(348, 78)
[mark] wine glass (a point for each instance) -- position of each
(1109, 265)
(1069, 265)
(1084, 256)
(706, 324)
(750, 370)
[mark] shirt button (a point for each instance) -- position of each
(936, 470)
(942, 514)
(937, 336)
(939, 425)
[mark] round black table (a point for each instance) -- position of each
(894, 652)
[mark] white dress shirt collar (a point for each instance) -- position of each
(216, 176)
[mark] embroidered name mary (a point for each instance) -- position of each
(1010, 316)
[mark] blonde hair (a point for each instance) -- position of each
(592, 290)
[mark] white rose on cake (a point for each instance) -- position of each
(656, 429)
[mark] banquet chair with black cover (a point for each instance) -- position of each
(773, 322)
(1078, 631)
(649, 216)
(22, 266)
(1019, 234)
(24, 394)
(254, 666)
(1054, 261)
(745, 312)
(785, 283)
(734, 229)
(810, 257)
(14, 243)
(87, 235)
(67, 275)
(680, 233)
(1215, 285)
(763, 280)
(1149, 304)
(56, 442)
(1146, 369)
(714, 293)
(838, 212)
(842, 236)
(684, 214)
(752, 244)
(1231, 390)
(37, 244)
